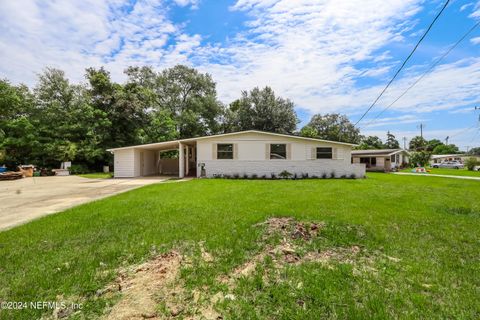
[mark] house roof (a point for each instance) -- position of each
(174, 143)
(377, 152)
(437, 156)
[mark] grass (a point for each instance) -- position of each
(97, 175)
(430, 231)
(449, 172)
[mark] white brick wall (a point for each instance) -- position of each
(267, 167)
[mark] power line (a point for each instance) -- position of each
(463, 131)
(426, 72)
(404, 62)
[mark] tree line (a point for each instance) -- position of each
(58, 121)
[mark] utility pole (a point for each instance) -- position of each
(421, 126)
(404, 143)
(446, 140)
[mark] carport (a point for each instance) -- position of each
(150, 160)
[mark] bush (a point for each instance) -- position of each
(304, 175)
(324, 175)
(470, 163)
(273, 176)
(285, 174)
(254, 176)
(353, 176)
(78, 169)
(420, 158)
(332, 175)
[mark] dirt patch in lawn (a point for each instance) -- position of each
(155, 289)
(294, 236)
(144, 286)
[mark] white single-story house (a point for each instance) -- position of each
(242, 153)
(439, 158)
(381, 159)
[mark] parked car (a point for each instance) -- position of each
(476, 168)
(448, 164)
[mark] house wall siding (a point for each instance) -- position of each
(252, 153)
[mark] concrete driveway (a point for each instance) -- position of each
(29, 198)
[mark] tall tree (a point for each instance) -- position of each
(431, 144)
(191, 98)
(445, 149)
(392, 142)
(333, 127)
(371, 142)
(260, 109)
(18, 135)
(474, 151)
(417, 143)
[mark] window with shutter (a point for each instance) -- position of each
(224, 151)
(324, 153)
(278, 151)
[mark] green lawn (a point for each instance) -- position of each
(97, 175)
(419, 245)
(449, 172)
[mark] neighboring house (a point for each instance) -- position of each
(381, 159)
(240, 153)
(439, 158)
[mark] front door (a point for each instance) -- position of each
(388, 165)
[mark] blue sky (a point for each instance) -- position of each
(325, 55)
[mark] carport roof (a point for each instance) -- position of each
(174, 143)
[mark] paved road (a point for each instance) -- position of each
(30, 198)
(437, 175)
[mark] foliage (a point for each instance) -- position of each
(371, 142)
(78, 169)
(471, 162)
(285, 174)
(260, 109)
(333, 127)
(417, 143)
(474, 151)
(58, 121)
(420, 158)
(309, 132)
(392, 142)
(445, 149)
(431, 144)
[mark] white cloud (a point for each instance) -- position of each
(311, 51)
(74, 35)
(389, 121)
(307, 49)
(476, 10)
(475, 40)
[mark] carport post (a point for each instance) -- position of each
(181, 161)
